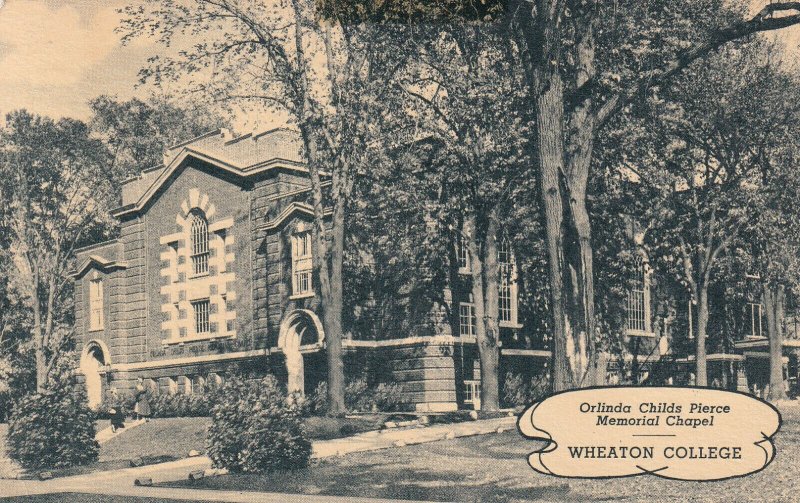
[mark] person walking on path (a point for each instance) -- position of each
(116, 412)
(142, 407)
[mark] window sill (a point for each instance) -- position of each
(196, 338)
(639, 333)
(465, 271)
(196, 276)
(97, 329)
(299, 296)
(508, 324)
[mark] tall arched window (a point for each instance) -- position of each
(199, 242)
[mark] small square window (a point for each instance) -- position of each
(201, 316)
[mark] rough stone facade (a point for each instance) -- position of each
(178, 329)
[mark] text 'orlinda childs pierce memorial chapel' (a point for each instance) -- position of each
(213, 268)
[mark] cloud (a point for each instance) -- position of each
(52, 46)
(55, 56)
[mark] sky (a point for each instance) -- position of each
(56, 55)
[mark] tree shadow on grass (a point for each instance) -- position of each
(393, 480)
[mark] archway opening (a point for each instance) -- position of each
(300, 340)
(92, 362)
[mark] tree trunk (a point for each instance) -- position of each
(701, 371)
(581, 125)
(580, 331)
(476, 266)
(773, 307)
(550, 158)
(333, 316)
(330, 285)
(489, 345)
(38, 333)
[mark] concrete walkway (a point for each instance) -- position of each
(106, 434)
(121, 482)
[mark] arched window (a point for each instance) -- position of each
(199, 242)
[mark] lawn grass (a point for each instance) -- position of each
(169, 439)
(172, 438)
(493, 468)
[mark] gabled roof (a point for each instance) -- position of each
(291, 209)
(242, 156)
(100, 263)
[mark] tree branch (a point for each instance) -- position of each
(761, 22)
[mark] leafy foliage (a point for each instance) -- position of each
(53, 429)
(256, 428)
(56, 194)
(518, 391)
(138, 132)
(360, 397)
(198, 404)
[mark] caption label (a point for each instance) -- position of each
(679, 433)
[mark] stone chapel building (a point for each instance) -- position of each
(213, 267)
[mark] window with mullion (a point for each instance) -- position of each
(754, 311)
(466, 319)
(199, 244)
(636, 307)
(201, 316)
(301, 263)
(507, 298)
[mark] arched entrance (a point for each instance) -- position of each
(93, 359)
(301, 333)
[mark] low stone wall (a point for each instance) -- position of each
(432, 371)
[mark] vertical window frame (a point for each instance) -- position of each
(463, 257)
(302, 264)
(508, 294)
(637, 303)
(755, 322)
(96, 305)
(199, 243)
(467, 321)
(201, 311)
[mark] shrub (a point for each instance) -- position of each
(518, 391)
(360, 397)
(17, 379)
(166, 405)
(53, 429)
(256, 428)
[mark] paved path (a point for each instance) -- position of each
(120, 482)
(106, 434)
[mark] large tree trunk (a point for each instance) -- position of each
(332, 309)
(579, 324)
(773, 307)
(701, 371)
(581, 125)
(489, 345)
(549, 95)
(330, 277)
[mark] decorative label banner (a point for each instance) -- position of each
(672, 432)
